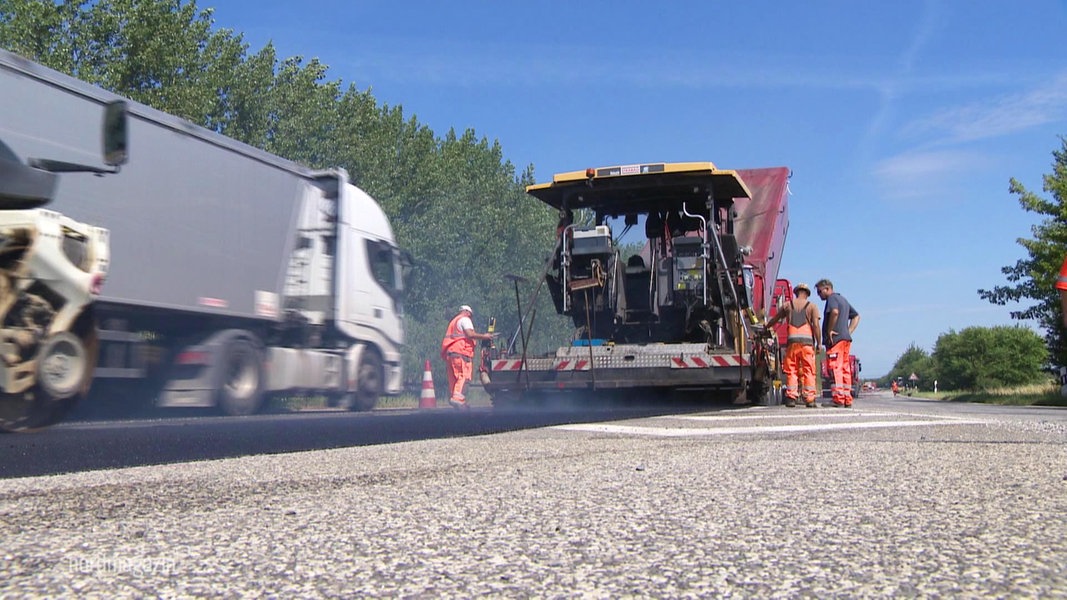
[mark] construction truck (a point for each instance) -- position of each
(684, 314)
(51, 266)
(234, 274)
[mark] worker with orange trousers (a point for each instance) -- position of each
(799, 362)
(457, 350)
(840, 319)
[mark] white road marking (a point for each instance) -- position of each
(709, 431)
(810, 414)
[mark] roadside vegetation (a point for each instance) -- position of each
(1041, 394)
(172, 56)
(1007, 365)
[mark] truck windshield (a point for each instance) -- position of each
(385, 266)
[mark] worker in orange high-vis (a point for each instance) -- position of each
(457, 350)
(799, 363)
(839, 321)
(1061, 286)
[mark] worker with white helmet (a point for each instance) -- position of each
(457, 350)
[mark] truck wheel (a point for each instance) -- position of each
(65, 365)
(240, 390)
(369, 383)
(62, 364)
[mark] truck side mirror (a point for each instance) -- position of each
(114, 136)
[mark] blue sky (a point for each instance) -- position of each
(902, 121)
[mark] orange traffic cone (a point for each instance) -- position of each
(427, 399)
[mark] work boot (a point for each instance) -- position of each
(811, 404)
(459, 404)
(791, 403)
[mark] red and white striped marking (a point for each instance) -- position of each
(507, 364)
(700, 362)
(573, 365)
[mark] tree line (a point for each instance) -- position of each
(975, 358)
(455, 202)
(982, 358)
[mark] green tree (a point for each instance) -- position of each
(914, 360)
(454, 201)
(981, 358)
(1033, 278)
(163, 53)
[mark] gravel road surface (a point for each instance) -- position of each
(764, 502)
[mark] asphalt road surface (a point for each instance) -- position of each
(896, 497)
(83, 446)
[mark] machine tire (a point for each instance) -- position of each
(370, 383)
(39, 407)
(240, 385)
(769, 397)
(62, 365)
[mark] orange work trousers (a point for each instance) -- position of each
(840, 364)
(799, 368)
(460, 371)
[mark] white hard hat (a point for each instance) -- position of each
(466, 308)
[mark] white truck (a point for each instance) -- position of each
(234, 273)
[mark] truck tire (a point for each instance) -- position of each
(64, 371)
(240, 387)
(62, 365)
(370, 382)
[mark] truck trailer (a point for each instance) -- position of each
(233, 273)
(686, 313)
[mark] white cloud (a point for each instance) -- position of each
(1007, 114)
(926, 173)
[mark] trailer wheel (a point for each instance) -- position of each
(370, 382)
(240, 388)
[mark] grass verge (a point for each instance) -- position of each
(1030, 395)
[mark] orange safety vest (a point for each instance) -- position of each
(455, 341)
(800, 331)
